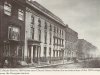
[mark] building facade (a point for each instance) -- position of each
(45, 35)
(29, 33)
(12, 28)
(71, 38)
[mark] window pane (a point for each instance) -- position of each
(14, 33)
(20, 14)
(32, 19)
(32, 33)
(7, 8)
(39, 22)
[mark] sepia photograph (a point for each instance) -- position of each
(49, 34)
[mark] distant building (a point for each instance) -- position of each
(85, 49)
(71, 38)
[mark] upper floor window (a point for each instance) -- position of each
(54, 29)
(32, 20)
(50, 52)
(50, 38)
(45, 37)
(57, 30)
(53, 53)
(20, 14)
(50, 27)
(62, 42)
(32, 33)
(45, 25)
(7, 8)
(13, 33)
(54, 40)
(62, 32)
(58, 41)
(39, 31)
(39, 22)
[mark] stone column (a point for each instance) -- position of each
(35, 54)
(36, 51)
(39, 50)
(31, 54)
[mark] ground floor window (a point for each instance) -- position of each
(53, 53)
(6, 51)
(45, 51)
(50, 52)
(20, 53)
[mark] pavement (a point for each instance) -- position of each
(46, 65)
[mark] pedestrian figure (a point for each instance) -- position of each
(6, 63)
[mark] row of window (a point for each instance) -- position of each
(45, 31)
(32, 33)
(45, 51)
(58, 31)
(58, 41)
(8, 9)
(39, 23)
(57, 53)
(39, 30)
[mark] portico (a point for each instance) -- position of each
(34, 50)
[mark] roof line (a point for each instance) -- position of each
(33, 4)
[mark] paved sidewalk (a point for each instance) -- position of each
(44, 64)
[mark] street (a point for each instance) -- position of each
(73, 65)
(94, 63)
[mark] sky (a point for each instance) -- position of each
(83, 16)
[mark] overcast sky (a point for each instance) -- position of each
(82, 16)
